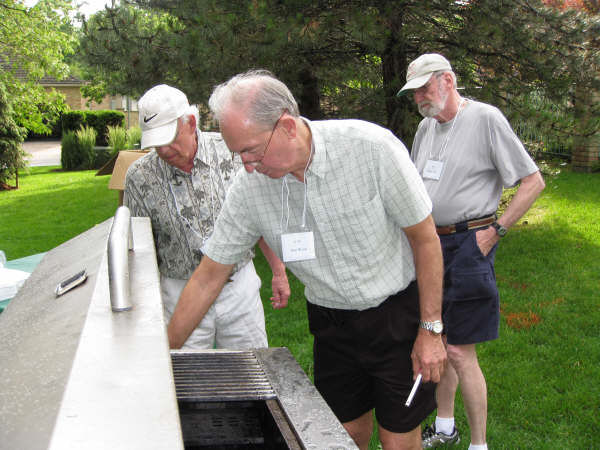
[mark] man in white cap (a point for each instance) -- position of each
(181, 187)
(466, 152)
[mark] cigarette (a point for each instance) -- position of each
(413, 390)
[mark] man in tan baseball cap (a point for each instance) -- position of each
(466, 152)
(420, 70)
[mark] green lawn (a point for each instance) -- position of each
(542, 373)
(51, 207)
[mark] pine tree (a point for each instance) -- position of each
(11, 137)
(348, 58)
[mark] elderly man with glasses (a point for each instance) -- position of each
(341, 203)
(181, 187)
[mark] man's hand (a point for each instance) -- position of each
(279, 283)
(528, 191)
(428, 356)
(281, 290)
(199, 293)
(486, 239)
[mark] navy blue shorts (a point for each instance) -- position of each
(362, 361)
(471, 307)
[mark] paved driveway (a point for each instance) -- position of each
(43, 153)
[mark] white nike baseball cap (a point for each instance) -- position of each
(159, 108)
(420, 70)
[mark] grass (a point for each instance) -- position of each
(542, 374)
(51, 207)
(543, 371)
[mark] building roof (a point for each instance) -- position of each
(21, 74)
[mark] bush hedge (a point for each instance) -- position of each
(99, 120)
(120, 138)
(70, 156)
(101, 156)
(86, 137)
(117, 139)
(79, 152)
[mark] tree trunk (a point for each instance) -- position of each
(402, 117)
(309, 100)
(587, 147)
(586, 154)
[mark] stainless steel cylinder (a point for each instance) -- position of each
(119, 243)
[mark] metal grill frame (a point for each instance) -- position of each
(301, 415)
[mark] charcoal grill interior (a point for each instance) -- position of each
(222, 398)
(231, 425)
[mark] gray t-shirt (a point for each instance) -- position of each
(480, 154)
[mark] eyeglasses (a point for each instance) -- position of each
(264, 152)
(423, 89)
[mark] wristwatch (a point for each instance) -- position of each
(435, 327)
(500, 230)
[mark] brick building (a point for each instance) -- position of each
(70, 88)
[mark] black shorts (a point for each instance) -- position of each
(362, 361)
(471, 307)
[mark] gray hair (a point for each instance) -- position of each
(263, 97)
(191, 111)
(439, 73)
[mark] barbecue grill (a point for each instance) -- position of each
(78, 372)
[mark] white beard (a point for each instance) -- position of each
(432, 109)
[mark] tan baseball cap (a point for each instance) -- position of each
(420, 70)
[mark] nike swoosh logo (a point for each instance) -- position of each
(148, 119)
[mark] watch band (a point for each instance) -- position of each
(436, 326)
(500, 230)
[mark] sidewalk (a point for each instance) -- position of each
(43, 152)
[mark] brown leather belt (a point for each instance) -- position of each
(464, 226)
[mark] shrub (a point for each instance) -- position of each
(121, 139)
(70, 157)
(77, 149)
(72, 120)
(117, 139)
(101, 156)
(99, 120)
(86, 138)
(134, 137)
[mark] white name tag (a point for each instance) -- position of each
(433, 169)
(298, 246)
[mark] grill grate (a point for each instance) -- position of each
(219, 376)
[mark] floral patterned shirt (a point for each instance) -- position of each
(182, 207)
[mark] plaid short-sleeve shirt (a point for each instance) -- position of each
(362, 189)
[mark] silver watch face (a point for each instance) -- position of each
(435, 327)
